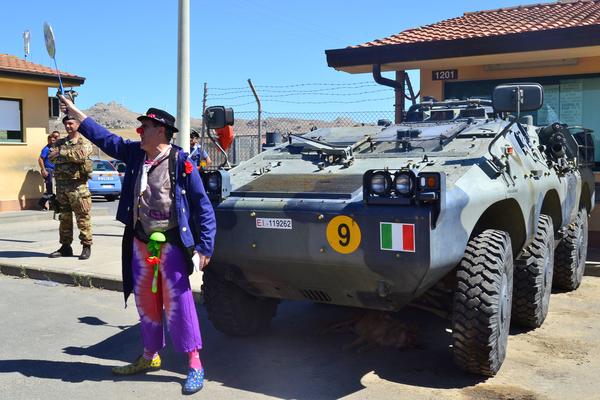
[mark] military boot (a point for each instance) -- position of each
(86, 252)
(64, 251)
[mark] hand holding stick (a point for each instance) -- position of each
(69, 108)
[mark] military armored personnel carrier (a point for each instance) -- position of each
(468, 195)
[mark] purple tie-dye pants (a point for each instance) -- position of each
(174, 296)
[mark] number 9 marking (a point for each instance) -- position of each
(343, 234)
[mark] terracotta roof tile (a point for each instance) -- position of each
(16, 64)
(503, 21)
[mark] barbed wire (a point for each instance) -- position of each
(315, 102)
(315, 84)
(294, 85)
(301, 94)
(327, 89)
(317, 113)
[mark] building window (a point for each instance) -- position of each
(571, 100)
(11, 120)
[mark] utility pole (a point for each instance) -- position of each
(259, 144)
(183, 76)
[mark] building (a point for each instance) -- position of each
(555, 44)
(24, 116)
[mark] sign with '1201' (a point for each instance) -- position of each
(444, 74)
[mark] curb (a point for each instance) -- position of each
(43, 216)
(72, 279)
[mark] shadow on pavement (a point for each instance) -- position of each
(291, 360)
(294, 360)
(592, 270)
(74, 372)
(94, 321)
(21, 254)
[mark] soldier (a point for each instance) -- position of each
(197, 154)
(72, 170)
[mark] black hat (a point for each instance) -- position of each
(160, 116)
(194, 134)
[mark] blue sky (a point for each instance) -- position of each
(127, 49)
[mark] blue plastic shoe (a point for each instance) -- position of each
(194, 381)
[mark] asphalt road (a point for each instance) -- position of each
(100, 202)
(59, 342)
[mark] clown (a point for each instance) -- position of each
(169, 233)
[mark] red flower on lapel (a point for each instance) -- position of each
(188, 167)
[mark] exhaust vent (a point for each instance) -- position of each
(316, 295)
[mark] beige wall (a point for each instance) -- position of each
(21, 184)
(585, 65)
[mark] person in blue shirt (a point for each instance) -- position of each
(197, 154)
(169, 233)
(47, 169)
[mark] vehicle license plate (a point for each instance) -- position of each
(273, 223)
(105, 178)
(107, 186)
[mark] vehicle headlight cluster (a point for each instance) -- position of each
(401, 186)
(381, 183)
(216, 184)
(213, 182)
(384, 183)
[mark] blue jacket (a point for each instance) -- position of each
(195, 215)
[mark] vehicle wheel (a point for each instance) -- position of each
(482, 303)
(533, 277)
(232, 310)
(110, 197)
(571, 252)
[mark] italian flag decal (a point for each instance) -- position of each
(397, 237)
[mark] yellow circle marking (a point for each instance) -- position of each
(343, 234)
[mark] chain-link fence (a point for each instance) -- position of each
(245, 144)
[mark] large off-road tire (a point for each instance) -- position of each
(533, 277)
(482, 303)
(232, 310)
(571, 252)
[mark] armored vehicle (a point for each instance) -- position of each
(466, 197)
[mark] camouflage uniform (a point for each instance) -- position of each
(73, 168)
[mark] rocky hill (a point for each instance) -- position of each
(113, 116)
(117, 117)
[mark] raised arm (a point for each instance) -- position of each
(113, 145)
